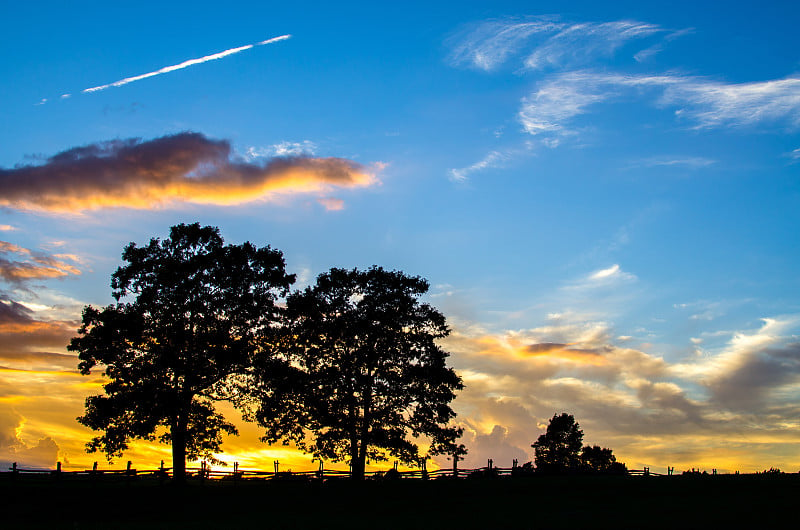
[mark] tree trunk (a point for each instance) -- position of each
(364, 434)
(356, 467)
(356, 464)
(179, 449)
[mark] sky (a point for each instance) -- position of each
(604, 196)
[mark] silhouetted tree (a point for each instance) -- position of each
(558, 449)
(366, 373)
(190, 313)
(596, 459)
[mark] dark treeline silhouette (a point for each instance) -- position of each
(560, 450)
(347, 369)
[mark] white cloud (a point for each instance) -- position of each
(579, 44)
(555, 103)
(688, 162)
(493, 159)
(603, 274)
(648, 53)
(602, 278)
(285, 148)
(489, 44)
(704, 102)
(739, 349)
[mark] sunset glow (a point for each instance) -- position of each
(605, 199)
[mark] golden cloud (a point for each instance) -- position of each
(518, 347)
(31, 265)
(185, 167)
(23, 337)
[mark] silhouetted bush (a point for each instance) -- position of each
(524, 470)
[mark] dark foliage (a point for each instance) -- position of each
(596, 459)
(559, 451)
(190, 315)
(366, 374)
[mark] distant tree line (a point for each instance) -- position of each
(347, 369)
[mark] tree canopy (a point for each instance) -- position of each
(596, 459)
(559, 450)
(366, 374)
(190, 313)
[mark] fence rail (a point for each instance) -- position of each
(205, 472)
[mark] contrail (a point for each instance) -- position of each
(184, 64)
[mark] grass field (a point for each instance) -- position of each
(529, 502)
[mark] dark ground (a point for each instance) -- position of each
(533, 502)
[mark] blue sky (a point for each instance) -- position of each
(603, 197)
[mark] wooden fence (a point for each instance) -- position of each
(235, 473)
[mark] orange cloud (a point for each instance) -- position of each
(32, 265)
(516, 347)
(185, 167)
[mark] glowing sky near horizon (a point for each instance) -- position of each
(604, 197)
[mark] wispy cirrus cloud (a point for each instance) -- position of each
(174, 67)
(646, 54)
(493, 159)
(611, 276)
(544, 41)
(687, 162)
(705, 103)
(489, 44)
(579, 44)
(185, 167)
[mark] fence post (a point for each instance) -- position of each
(14, 471)
(235, 472)
(320, 471)
(455, 465)
(276, 463)
(489, 464)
